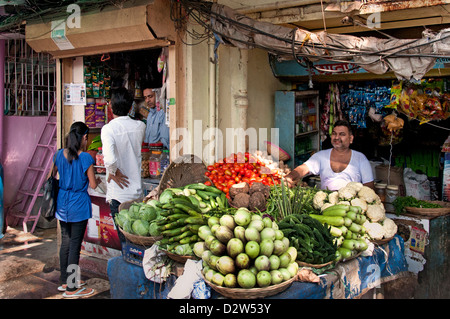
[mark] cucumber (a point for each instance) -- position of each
(349, 244)
(352, 215)
(196, 186)
(337, 206)
(347, 221)
(344, 252)
(335, 212)
(330, 220)
(355, 209)
(203, 195)
(194, 201)
(355, 228)
(362, 245)
(335, 231)
(195, 220)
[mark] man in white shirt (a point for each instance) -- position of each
(336, 166)
(122, 140)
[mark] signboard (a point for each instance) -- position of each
(75, 94)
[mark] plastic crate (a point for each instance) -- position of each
(132, 253)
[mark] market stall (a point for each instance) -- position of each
(255, 239)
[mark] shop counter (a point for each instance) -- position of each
(348, 280)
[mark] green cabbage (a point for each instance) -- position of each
(154, 203)
(154, 229)
(120, 219)
(183, 250)
(165, 196)
(140, 227)
(147, 213)
(127, 226)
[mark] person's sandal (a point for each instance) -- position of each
(64, 287)
(80, 292)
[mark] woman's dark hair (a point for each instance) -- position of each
(74, 138)
(344, 123)
(121, 101)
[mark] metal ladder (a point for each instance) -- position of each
(30, 187)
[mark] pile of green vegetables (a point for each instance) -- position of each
(409, 201)
(284, 201)
(140, 218)
(345, 225)
(312, 239)
(184, 211)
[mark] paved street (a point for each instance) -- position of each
(29, 267)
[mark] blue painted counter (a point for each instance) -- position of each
(348, 280)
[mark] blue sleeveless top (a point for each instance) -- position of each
(74, 203)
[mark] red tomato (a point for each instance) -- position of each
(207, 183)
(227, 172)
(208, 173)
(225, 190)
(210, 167)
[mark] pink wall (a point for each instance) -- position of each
(20, 136)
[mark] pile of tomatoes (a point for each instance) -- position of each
(237, 168)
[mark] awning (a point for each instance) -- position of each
(409, 59)
(109, 30)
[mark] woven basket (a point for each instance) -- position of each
(146, 241)
(251, 293)
(186, 169)
(178, 258)
(432, 212)
(382, 241)
(282, 154)
(317, 266)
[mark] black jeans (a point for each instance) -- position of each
(69, 254)
(114, 207)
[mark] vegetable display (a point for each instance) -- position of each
(376, 225)
(345, 224)
(312, 239)
(237, 168)
(185, 210)
(140, 219)
(245, 250)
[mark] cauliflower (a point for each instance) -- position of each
(368, 194)
(333, 197)
(347, 192)
(390, 228)
(319, 199)
(359, 202)
(356, 185)
(343, 202)
(376, 213)
(374, 230)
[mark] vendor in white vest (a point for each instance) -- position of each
(338, 165)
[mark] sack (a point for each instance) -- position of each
(417, 185)
(48, 204)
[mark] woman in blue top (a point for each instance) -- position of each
(76, 174)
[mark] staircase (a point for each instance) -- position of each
(30, 187)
